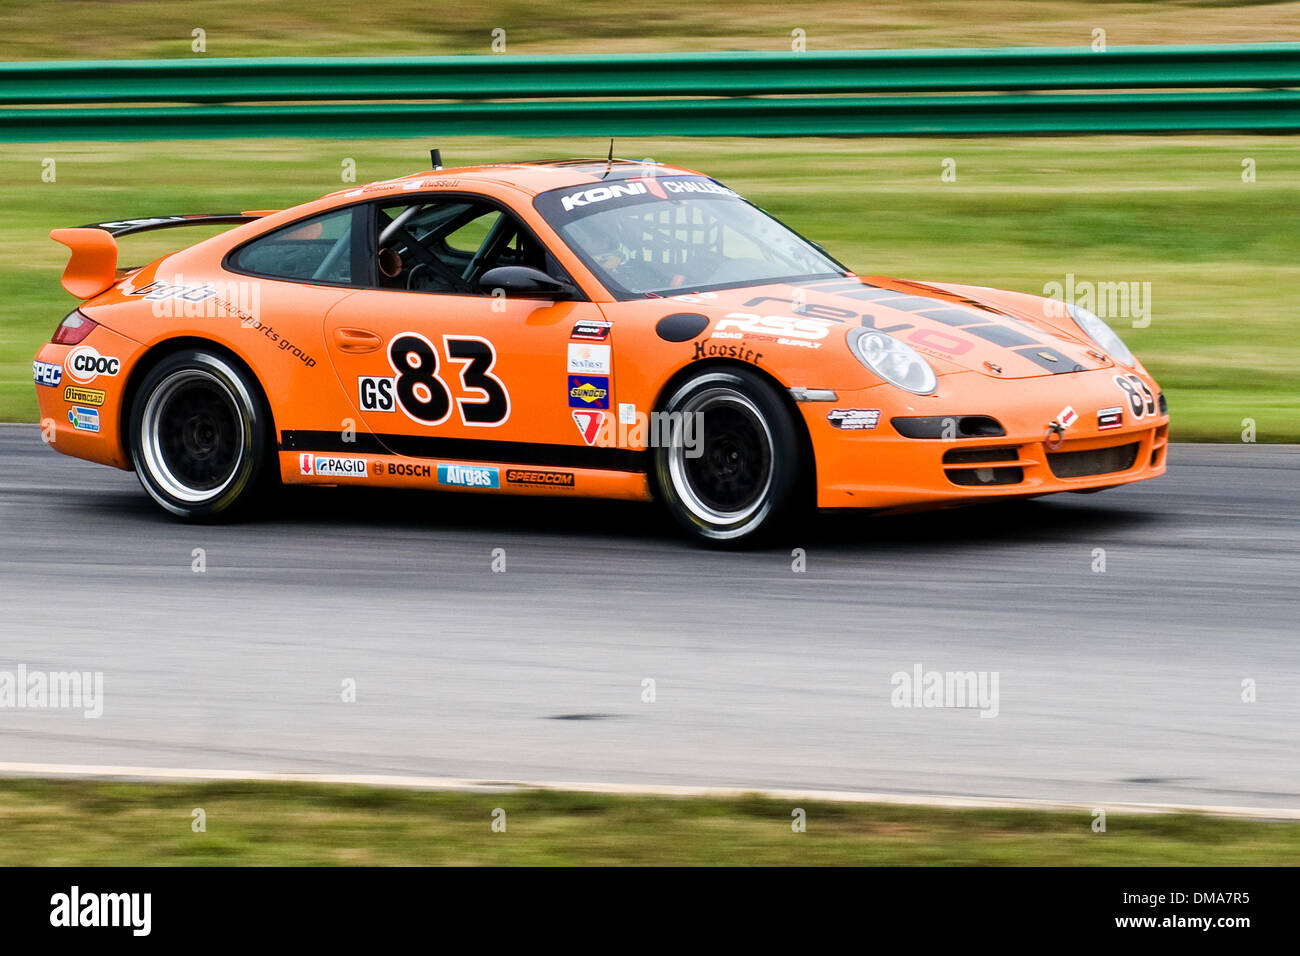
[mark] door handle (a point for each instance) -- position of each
(356, 341)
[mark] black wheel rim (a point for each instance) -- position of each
(728, 481)
(193, 435)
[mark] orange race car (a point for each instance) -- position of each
(586, 328)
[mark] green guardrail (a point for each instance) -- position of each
(1229, 87)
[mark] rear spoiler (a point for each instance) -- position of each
(92, 267)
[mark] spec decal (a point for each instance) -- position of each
(46, 374)
(854, 419)
(468, 476)
(84, 419)
(1108, 418)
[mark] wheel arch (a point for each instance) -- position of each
(167, 347)
(808, 484)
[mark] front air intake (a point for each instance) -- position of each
(948, 426)
(1095, 461)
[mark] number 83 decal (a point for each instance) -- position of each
(1140, 400)
(423, 394)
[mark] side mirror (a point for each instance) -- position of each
(524, 282)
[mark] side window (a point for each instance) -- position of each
(446, 245)
(467, 239)
(313, 250)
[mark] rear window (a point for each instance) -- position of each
(318, 249)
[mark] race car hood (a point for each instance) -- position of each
(958, 328)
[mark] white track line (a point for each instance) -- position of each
(92, 772)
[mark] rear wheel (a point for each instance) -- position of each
(736, 481)
(199, 435)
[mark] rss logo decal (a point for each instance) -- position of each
(588, 391)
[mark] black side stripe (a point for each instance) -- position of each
(468, 449)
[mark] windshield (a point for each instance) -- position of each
(672, 235)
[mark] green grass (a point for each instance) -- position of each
(86, 823)
(94, 29)
(1222, 256)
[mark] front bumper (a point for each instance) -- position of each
(882, 468)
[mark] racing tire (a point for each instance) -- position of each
(738, 486)
(200, 436)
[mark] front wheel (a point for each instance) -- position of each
(199, 435)
(730, 472)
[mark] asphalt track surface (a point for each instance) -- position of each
(1119, 686)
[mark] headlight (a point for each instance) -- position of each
(894, 361)
(1102, 334)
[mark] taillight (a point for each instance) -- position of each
(73, 329)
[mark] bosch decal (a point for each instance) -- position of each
(405, 470)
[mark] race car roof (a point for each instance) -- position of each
(535, 176)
